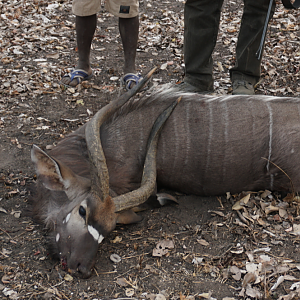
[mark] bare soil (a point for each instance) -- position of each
(42, 112)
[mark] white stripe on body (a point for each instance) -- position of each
(270, 142)
(176, 150)
(226, 123)
(187, 134)
(119, 139)
(210, 134)
(141, 132)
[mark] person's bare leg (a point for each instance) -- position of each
(129, 31)
(85, 29)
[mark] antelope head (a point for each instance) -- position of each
(81, 223)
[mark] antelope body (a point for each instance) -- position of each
(210, 145)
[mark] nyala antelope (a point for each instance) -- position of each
(210, 145)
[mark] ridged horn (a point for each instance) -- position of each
(99, 171)
(136, 197)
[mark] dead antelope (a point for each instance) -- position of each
(209, 146)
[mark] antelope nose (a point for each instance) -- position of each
(83, 271)
(81, 266)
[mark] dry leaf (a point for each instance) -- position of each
(253, 292)
(159, 297)
(203, 242)
(296, 229)
(162, 248)
(10, 293)
(282, 278)
(3, 210)
(248, 278)
(7, 279)
(68, 277)
(236, 273)
(16, 214)
(53, 55)
(270, 209)
(129, 292)
(245, 200)
(237, 250)
(6, 252)
(295, 285)
(197, 260)
(261, 222)
(237, 206)
(115, 258)
(251, 267)
(164, 66)
(80, 101)
(117, 239)
(241, 203)
(204, 295)
(265, 194)
(219, 213)
(122, 282)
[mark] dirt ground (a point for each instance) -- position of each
(214, 245)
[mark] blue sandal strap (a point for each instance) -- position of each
(78, 74)
(130, 78)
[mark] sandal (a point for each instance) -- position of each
(130, 80)
(78, 74)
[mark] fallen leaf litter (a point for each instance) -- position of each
(261, 258)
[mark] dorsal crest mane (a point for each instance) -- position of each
(165, 92)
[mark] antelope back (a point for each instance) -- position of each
(210, 145)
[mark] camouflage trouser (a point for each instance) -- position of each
(202, 19)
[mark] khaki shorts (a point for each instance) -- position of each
(119, 8)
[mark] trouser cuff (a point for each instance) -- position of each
(240, 76)
(202, 84)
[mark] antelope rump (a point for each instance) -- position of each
(210, 145)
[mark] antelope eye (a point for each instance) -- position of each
(82, 211)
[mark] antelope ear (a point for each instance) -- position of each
(128, 217)
(54, 174)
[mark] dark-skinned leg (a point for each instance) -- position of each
(129, 31)
(85, 29)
